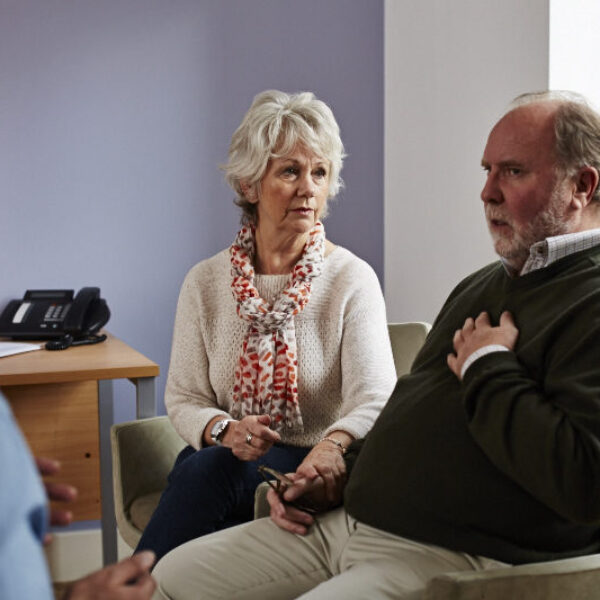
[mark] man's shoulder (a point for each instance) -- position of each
(486, 273)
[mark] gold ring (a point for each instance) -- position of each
(249, 439)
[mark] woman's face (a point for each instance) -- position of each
(293, 193)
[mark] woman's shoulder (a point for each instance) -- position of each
(216, 266)
(349, 280)
(342, 262)
(208, 282)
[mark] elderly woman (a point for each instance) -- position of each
(280, 351)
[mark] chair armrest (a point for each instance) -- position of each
(261, 506)
(143, 453)
(572, 579)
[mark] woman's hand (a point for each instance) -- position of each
(250, 438)
(325, 461)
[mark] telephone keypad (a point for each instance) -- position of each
(56, 312)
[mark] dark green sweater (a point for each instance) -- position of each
(505, 464)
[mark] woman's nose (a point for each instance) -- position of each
(306, 187)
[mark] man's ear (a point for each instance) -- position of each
(249, 192)
(586, 182)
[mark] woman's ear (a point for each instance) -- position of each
(249, 192)
(586, 182)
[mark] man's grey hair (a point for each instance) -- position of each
(576, 129)
(274, 125)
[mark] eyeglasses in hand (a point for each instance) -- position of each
(279, 483)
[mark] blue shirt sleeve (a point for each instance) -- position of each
(23, 517)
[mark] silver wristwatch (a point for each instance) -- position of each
(218, 430)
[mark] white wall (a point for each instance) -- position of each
(451, 68)
(574, 47)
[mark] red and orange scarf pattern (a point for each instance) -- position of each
(266, 377)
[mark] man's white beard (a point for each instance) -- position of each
(550, 222)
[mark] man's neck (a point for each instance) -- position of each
(549, 250)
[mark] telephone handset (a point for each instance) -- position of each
(57, 316)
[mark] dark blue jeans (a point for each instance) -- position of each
(208, 490)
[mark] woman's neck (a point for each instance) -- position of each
(277, 257)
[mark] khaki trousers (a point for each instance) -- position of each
(339, 558)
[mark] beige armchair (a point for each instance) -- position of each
(143, 453)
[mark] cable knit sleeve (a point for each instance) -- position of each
(368, 372)
(190, 399)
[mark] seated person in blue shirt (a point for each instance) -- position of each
(24, 520)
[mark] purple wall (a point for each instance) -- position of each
(114, 116)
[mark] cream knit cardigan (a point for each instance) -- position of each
(345, 366)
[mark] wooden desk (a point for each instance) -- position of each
(63, 401)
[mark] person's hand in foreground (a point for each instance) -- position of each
(57, 492)
(129, 579)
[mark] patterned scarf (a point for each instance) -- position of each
(266, 377)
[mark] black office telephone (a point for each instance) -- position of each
(57, 316)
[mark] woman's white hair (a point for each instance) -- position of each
(274, 125)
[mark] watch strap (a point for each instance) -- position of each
(218, 429)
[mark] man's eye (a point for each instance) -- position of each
(513, 171)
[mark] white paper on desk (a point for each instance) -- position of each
(10, 348)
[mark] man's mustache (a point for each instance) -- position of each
(493, 215)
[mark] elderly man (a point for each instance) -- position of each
(488, 452)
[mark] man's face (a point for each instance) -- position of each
(525, 198)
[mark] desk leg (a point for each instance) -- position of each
(109, 523)
(145, 397)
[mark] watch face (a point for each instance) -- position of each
(218, 428)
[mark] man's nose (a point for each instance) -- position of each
(491, 193)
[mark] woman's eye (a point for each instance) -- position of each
(320, 173)
(290, 171)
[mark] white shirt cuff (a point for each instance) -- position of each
(479, 353)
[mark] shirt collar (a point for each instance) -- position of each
(544, 253)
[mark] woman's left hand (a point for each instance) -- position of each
(325, 460)
(250, 438)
